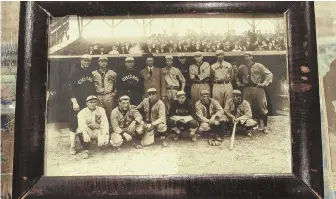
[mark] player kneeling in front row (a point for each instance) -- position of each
(92, 124)
(154, 117)
(210, 114)
(239, 110)
(181, 116)
(126, 123)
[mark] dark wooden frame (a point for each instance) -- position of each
(306, 180)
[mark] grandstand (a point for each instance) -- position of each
(79, 35)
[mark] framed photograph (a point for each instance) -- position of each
(326, 48)
(167, 99)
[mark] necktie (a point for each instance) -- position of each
(150, 71)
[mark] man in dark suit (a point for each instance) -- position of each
(152, 76)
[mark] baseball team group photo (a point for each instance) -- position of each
(161, 95)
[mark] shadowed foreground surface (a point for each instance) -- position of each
(262, 153)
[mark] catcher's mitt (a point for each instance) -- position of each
(213, 142)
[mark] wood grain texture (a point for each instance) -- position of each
(305, 182)
(146, 8)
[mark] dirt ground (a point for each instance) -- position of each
(332, 145)
(261, 154)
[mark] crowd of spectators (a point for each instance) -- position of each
(192, 42)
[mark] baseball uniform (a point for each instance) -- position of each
(221, 76)
(206, 112)
(184, 111)
(120, 121)
(81, 86)
(95, 124)
(247, 78)
(184, 68)
(105, 88)
(130, 83)
(200, 78)
(242, 112)
(172, 77)
(155, 114)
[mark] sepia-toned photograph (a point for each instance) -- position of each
(326, 51)
(168, 95)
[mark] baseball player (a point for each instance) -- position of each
(252, 78)
(92, 124)
(104, 80)
(154, 117)
(130, 82)
(172, 77)
(210, 115)
(80, 86)
(221, 77)
(183, 66)
(199, 74)
(126, 122)
(181, 116)
(153, 77)
(239, 110)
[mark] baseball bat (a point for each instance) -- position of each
(233, 134)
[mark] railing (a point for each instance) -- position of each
(188, 54)
(57, 30)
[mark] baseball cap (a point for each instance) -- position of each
(182, 55)
(102, 58)
(129, 59)
(124, 97)
(168, 57)
(205, 92)
(248, 53)
(179, 93)
(236, 92)
(91, 97)
(151, 90)
(86, 56)
(219, 52)
(197, 54)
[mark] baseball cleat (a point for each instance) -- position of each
(266, 130)
(72, 151)
(164, 143)
(86, 154)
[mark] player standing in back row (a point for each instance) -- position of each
(104, 80)
(172, 77)
(221, 76)
(199, 76)
(253, 78)
(80, 87)
(130, 82)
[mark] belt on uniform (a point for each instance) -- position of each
(172, 88)
(221, 82)
(201, 82)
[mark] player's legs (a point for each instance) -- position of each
(227, 93)
(108, 103)
(261, 104)
(73, 124)
(247, 95)
(162, 131)
(218, 93)
(194, 93)
(192, 127)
